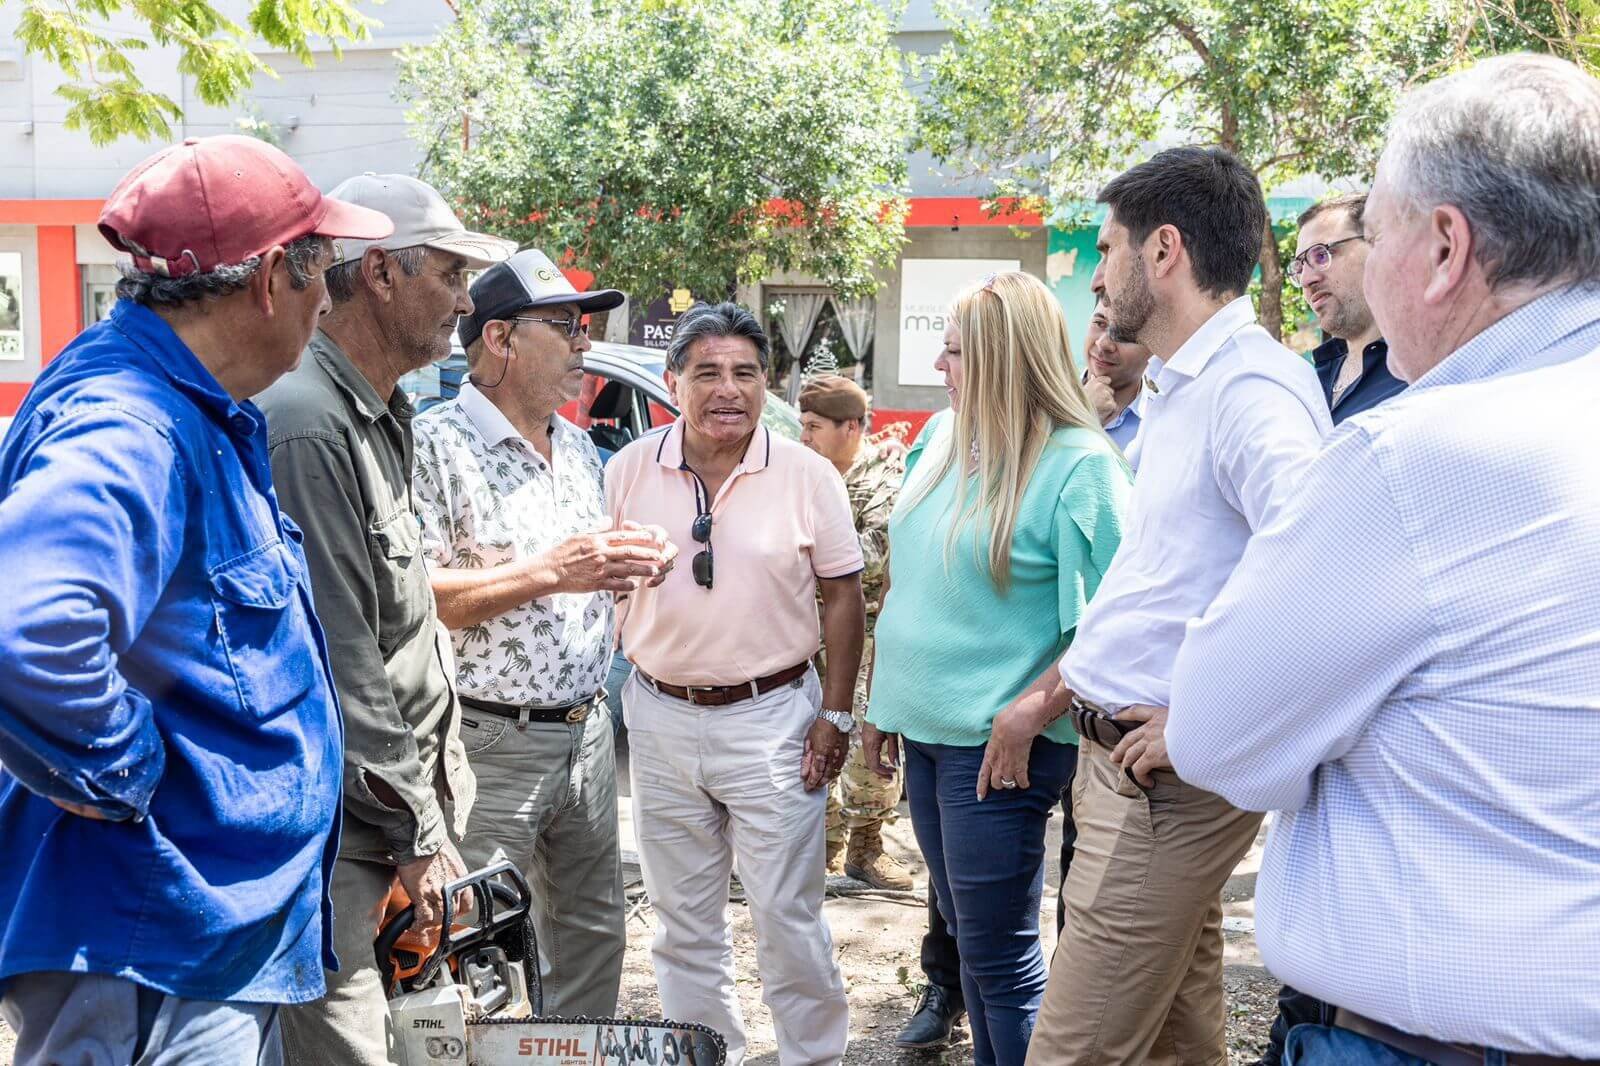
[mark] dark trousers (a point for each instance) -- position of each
(986, 859)
(941, 959)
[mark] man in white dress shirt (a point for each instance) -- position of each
(1429, 722)
(1231, 418)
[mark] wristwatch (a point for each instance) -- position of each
(843, 721)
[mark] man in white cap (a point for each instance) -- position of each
(341, 444)
(524, 566)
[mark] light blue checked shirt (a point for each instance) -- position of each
(1407, 662)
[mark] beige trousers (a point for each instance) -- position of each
(712, 785)
(1137, 973)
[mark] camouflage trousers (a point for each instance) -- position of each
(860, 798)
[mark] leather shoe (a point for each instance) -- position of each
(937, 1013)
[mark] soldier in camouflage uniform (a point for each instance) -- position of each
(833, 415)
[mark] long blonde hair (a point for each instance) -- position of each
(1019, 385)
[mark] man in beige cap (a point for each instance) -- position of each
(833, 423)
(341, 444)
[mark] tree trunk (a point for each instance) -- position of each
(1271, 316)
(598, 321)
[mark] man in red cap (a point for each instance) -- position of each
(168, 729)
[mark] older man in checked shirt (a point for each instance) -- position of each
(1429, 722)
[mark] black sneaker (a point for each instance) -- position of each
(938, 1012)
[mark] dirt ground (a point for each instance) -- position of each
(878, 941)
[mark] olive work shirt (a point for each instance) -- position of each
(341, 462)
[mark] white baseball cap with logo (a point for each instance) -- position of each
(420, 216)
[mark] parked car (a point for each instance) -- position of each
(624, 394)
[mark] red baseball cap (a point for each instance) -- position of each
(216, 201)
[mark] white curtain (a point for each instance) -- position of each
(800, 313)
(858, 320)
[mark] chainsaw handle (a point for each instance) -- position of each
(515, 901)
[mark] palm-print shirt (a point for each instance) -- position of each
(486, 497)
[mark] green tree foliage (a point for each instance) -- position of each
(1049, 98)
(664, 143)
(103, 89)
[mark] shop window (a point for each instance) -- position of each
(12, 309)
(99, 291)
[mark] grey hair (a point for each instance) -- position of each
(158, 290)
(715, 320)
(1513, 142)
(342, 276)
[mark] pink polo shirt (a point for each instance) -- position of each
(780, 521)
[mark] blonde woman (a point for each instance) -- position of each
(1011, 511)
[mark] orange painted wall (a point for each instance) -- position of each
(60, 290)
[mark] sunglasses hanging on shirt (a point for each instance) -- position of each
(701, 532)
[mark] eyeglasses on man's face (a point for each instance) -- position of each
(1318, 257)
(570, 326)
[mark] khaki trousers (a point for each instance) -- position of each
(1137, 973)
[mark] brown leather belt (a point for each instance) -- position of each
(1437, 1051)
(722, 695)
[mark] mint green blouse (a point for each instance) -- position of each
(952, 651)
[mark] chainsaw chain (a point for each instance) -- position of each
(650, 1023)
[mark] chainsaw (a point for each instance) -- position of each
(471, 994)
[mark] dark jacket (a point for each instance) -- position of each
(1374, 386)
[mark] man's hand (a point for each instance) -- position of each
(424, 880)
(1101, 396)
(1144, 750)
(882, 750)
(1005, 757)
(669, 551)
(824, 756)
(609, 561)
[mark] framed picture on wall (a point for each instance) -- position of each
(11, 306)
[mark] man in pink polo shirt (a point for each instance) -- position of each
(731, 737)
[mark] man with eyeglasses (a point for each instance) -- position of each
(341, 442)
(524, 567)
(732, 739)
(1330, 256)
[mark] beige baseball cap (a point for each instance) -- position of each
(420, 216)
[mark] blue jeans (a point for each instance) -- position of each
(94, 1019)
(616, 677)
(987, 864)
(1323, 1045)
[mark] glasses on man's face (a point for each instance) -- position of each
(701, 532)
(1318, 256)
(570, 326)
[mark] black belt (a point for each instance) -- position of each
(1439, 1052)
(569, 713)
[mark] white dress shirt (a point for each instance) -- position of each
(487, 497)
(1228, 423)
(1428, 711)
